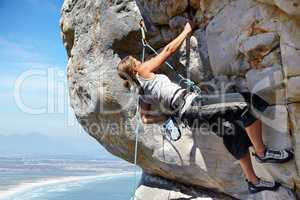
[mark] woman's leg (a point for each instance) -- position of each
(254, 131)
(251, 126)
(238, 145)
(247, 168)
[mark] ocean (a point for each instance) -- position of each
(66, 179)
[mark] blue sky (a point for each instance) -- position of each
(33, 85)
(30, 33)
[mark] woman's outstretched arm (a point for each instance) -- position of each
(155, 63)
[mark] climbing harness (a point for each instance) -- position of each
(171, 127)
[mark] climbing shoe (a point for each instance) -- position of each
(275, 156)
(262, 185)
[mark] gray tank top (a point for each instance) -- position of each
(159, 90)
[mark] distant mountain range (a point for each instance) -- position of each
(39, 145)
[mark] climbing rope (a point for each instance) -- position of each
(133, 197)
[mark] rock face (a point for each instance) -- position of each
(240, 45)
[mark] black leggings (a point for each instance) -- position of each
(227, 123)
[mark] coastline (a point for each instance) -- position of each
(24, 187)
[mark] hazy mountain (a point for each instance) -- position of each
(39, 144)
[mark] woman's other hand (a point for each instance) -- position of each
(188, 27)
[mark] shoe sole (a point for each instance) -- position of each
(273, 161)
(276, 187)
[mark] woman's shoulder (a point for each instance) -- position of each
(148, 77)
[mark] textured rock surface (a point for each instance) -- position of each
(161, 12)
(294, 110)
(156, 188)
(268, 83)
(290, 7)
(240, 45)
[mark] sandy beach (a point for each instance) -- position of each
(24, 187)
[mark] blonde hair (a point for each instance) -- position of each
(126, 71)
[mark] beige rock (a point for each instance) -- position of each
(291, 7)
(290, 45)
(207, 9)
(239, 66)
(290, 60)
(259, 25)
(211, 8)
(147, 193)
(268, 83)
(178, 22)
(167, 33)
(161, 11)
(195, 4)
(267, 40)
(223, 31)
(257, 46)
(293, 89)
(289, 30)
(156, 188)
(294, 114)
(282, 193)
(189, 56)
(67, 35)
(199, 17)
(272, 58)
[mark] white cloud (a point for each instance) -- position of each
(11, 50)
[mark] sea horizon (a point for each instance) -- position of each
(33, 181)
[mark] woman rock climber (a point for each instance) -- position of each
(157, 89)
